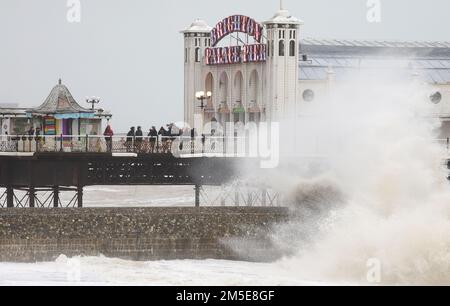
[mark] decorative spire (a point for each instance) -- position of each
(281, 5)
(59, 81)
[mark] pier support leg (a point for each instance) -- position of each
(9, 197)
(80, 196)
(32, 197)
(56, 197)
(264, 198)
(249, 199)
(223, 201)
(197, 195)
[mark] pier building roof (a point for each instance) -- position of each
(430, 61)
(61, 102)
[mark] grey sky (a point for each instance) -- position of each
(130, 53)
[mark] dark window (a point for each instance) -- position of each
(197, 55)
(292, 48)
(281, 48)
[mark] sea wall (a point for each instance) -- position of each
(29, 235)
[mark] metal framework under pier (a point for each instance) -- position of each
(33, 197)
(240, 194)
(38, 180)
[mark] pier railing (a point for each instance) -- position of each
(181, 145)
(178, 145)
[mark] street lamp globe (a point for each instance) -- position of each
(200, 94)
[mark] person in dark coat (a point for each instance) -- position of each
(38, 138)
(139, 137)
(31, 132)
(163, 133)
(130, 137)
(153, 135)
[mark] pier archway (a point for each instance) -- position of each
(254, 112)
(239, 87)
(210, 109)
(223, 88)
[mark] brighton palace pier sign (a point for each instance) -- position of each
(236, 54)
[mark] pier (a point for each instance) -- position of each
(48, 166)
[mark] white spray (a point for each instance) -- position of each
(386, 166)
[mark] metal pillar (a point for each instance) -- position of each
(80, 196)
(9, 197)
(223, 201)
(32, 197)
(236, 198)
(56, 197)
(264, 198)
(249, 199)
(197, 195)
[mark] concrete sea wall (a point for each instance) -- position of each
(29, 235)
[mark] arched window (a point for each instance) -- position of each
(197, 55)
(223, 88)
(292, 48)
(281, 48)
(238, 89)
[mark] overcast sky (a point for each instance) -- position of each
(130, 52)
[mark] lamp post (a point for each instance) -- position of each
(202, 96)
(93, 101)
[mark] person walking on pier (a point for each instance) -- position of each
(193, 136)
(31, 132)
(163, 133)
(130, 139)
(139, 137)
(153, 135)
(38, 139)
(108, 137)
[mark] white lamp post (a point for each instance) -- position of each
(93, 101)
(202, 96)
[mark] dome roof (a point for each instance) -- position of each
(199, 25)
(284, 17)
(60, 101)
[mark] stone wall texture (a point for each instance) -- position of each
(29, 235)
